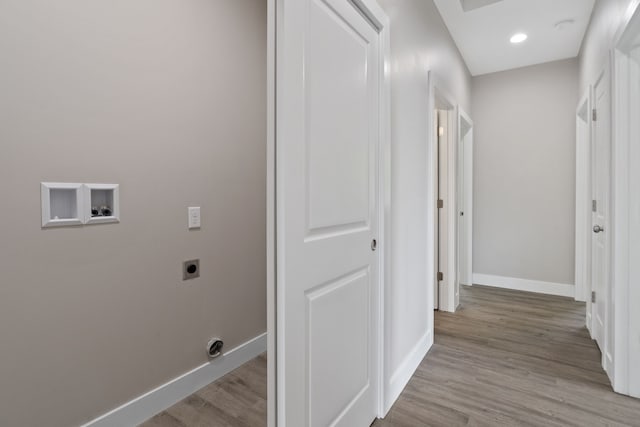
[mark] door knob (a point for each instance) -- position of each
(374, 244)
(597, 229)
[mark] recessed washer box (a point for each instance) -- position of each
(62, 204)
(101, 203)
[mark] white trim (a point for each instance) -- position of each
(583, 201)
(115, 209)
(406, 369)
(549, 288)
(45, 198)
(271, 216)
(465, 159)
(438, 91)
(628, 15)
(384, 203)
(620, 197)
(625, 205)
(451, 273)
(155, 401)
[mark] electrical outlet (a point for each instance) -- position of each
(191, 269)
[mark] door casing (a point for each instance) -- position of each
(440, 99)
(600, 189)
(583, 203)
(442, 137)
(465, 198)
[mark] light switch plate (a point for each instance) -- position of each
(194, 217)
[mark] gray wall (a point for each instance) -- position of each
(166, 98)
(420, 42)
(524, 172)
(607, 17)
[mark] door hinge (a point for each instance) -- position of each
(594, 206)
(440, 203)
(440, 276)
(593, 296)
(594, 115)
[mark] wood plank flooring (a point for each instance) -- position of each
(506, 358)
(237, 399)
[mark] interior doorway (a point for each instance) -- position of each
(447, 286)
(452, 197)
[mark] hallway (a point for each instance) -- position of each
(512, 358)
(505, 358)
(192, 186)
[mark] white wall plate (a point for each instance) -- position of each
(62, 204)
(101, 203)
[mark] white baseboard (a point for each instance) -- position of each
(549, 288)
(607, 365)
(149, 404)
(405, 371)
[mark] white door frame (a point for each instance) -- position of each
(625, 201)
(275, 57)
(606, 338)
(271, 215)
(439, 95)
(583, 203)
(465, 180)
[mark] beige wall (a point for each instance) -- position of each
(166, 98)
(524, 172)
(420, 42)
(606, 20)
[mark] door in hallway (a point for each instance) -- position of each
(446, 283)
(328, 136)
(601, 159)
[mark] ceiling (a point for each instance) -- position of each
(482, 29)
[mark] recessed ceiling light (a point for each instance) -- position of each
(518, 38)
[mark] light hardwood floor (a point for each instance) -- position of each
(237, 399)
(506, 358)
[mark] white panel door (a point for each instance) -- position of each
(327, 215)
(601, 185)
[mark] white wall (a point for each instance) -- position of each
(168, 99)
(524, 172)
(419, 42)
(606, 19)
